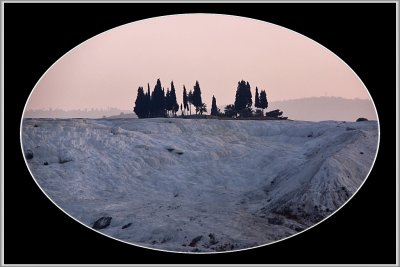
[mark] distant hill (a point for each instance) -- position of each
(123, 116)
(78, 113)
(325, 108)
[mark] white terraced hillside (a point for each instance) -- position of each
(199, 185)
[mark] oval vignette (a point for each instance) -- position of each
(292, 137)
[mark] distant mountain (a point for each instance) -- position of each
(325, 108)
(78, 113)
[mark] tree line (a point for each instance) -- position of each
(161, 103)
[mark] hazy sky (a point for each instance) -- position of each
(216, 50)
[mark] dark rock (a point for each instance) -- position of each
(28, 154)
(35, 125)
(45, 163)
(102, 223)
(170, 149)
(361, 119)
(126, 225)
(213, 241)
(296, 228)
(195, 240)
(361, 153)
(310, 135)
(179, 152)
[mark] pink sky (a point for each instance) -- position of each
(216, 50)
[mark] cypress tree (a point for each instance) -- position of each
(153, 104)
(140, 104)
(257, 99)
(197, 101)
(190, 99)
(173, 102)
(168, 103)
(185, 99)
(249, 101)
(163, 104)
(146, 105)
(158, 101)
(148, 100)
(240, 101)
(243, 100)
(214, 109)
(263, 100)
(240, 97)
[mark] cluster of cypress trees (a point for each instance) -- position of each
(261, 99)
(243, 101)
(162, 104)
(243, 98)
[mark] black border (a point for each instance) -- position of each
(36, 35)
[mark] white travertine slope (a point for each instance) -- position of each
(237, 184)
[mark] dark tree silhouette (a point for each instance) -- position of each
(164, 100)
(257, 99)
(168, 102)
(190, 99)
(248, 95)
(185, 99)
(197, 102)
(230, 111)
(158, 101)
(161, 103)
(214, 109)
(263, 100)
(175, 109)
(140, 104)
(148, 100)
(276, 113)
(201, 109)
(243, 99)
(173, 101)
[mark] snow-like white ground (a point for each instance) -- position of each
(235, 184)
